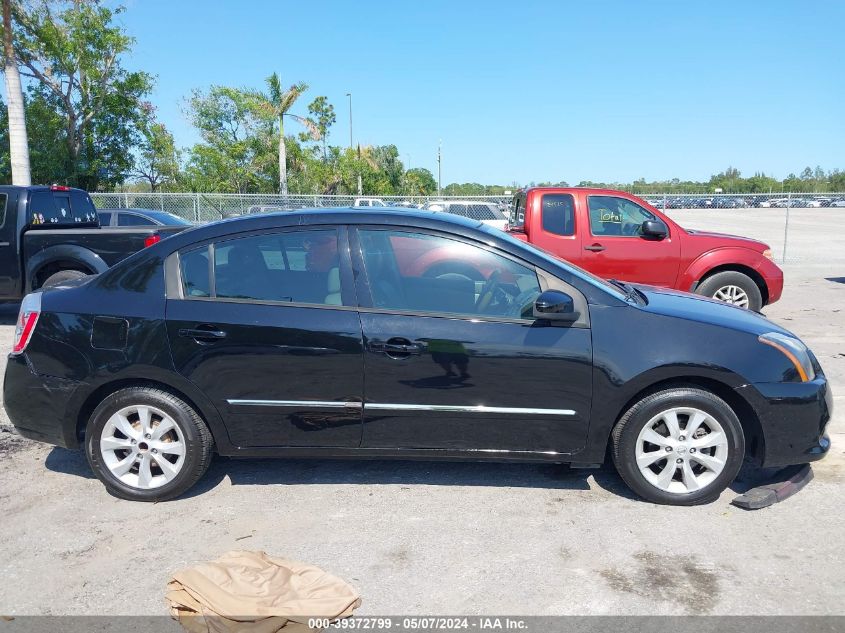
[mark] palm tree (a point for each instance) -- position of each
(277, 104)
(18, 144)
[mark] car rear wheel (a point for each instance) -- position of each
(681, 446)
(146, 444)
(732, 287)
(62, 276)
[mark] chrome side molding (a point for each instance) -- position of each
(387, 406)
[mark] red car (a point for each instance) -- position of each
(616, 235)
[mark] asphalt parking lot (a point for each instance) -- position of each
(445, 538)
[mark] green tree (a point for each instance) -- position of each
(74, 52)
(236, 151)
(420, 182)
(274, 106)
(324, 117)
(158, 159)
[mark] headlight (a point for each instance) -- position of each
(794, 350)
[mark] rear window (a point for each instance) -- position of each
(61, 208)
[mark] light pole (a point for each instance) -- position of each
(439, 146)
(349, 94)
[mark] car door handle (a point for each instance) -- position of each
(395, 347)
(202, 334)
(595, 248)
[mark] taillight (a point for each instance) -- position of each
(59, 188)
(151, 239)
(27, 318)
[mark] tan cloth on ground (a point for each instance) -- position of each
(251, 591)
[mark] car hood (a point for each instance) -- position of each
(731, 240)
(684, 305)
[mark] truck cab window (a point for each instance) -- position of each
(616, 217)
(559, 213)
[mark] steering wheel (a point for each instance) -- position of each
(488, 291)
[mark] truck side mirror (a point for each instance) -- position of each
(554, 305)
(654, 228)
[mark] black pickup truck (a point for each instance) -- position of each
(49, 235)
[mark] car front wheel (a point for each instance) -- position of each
(146, 444)
(680, 446)
(733, 287)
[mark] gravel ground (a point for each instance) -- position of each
(442, 538)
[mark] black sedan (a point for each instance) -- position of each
(350, 333)
(139, 217)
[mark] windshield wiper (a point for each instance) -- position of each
(630, 291)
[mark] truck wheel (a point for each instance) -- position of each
(56, 279)
(681, 446)
(732, 287)
(146, 444)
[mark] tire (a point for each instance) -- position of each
(62, 276)
(723, 285)
(109, 443)
(689, 482)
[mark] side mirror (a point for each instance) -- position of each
(555, 305)
(653, 228)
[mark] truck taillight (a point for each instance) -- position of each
(151, 239)
(59, 188)
(27, 318)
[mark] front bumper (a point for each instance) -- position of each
(37, 405)
(793, 417)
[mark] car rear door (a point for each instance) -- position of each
(457, 363)
(264, 325)
(555, 226)
(613, 247)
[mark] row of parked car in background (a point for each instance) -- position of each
(743, 202)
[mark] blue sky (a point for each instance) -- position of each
(529, 91)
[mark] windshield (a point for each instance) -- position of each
(553, 259)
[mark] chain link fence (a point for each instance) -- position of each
(761, 216)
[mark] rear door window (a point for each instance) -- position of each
(133, 219)
(293, 267)
(559, 213)
(105, 219)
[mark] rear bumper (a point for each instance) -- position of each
(37, 405)
(794, 418)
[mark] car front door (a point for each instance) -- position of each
(458, 363)
(261, 325)
(614, 247)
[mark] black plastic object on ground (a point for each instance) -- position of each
(785, 483)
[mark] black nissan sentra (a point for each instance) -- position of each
(351, 333)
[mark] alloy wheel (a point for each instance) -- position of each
(143, 447)
(682, 450)
(732, 294)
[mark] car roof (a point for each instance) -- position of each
(334, 215)
(588, 190)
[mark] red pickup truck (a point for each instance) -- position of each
(617, 235)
